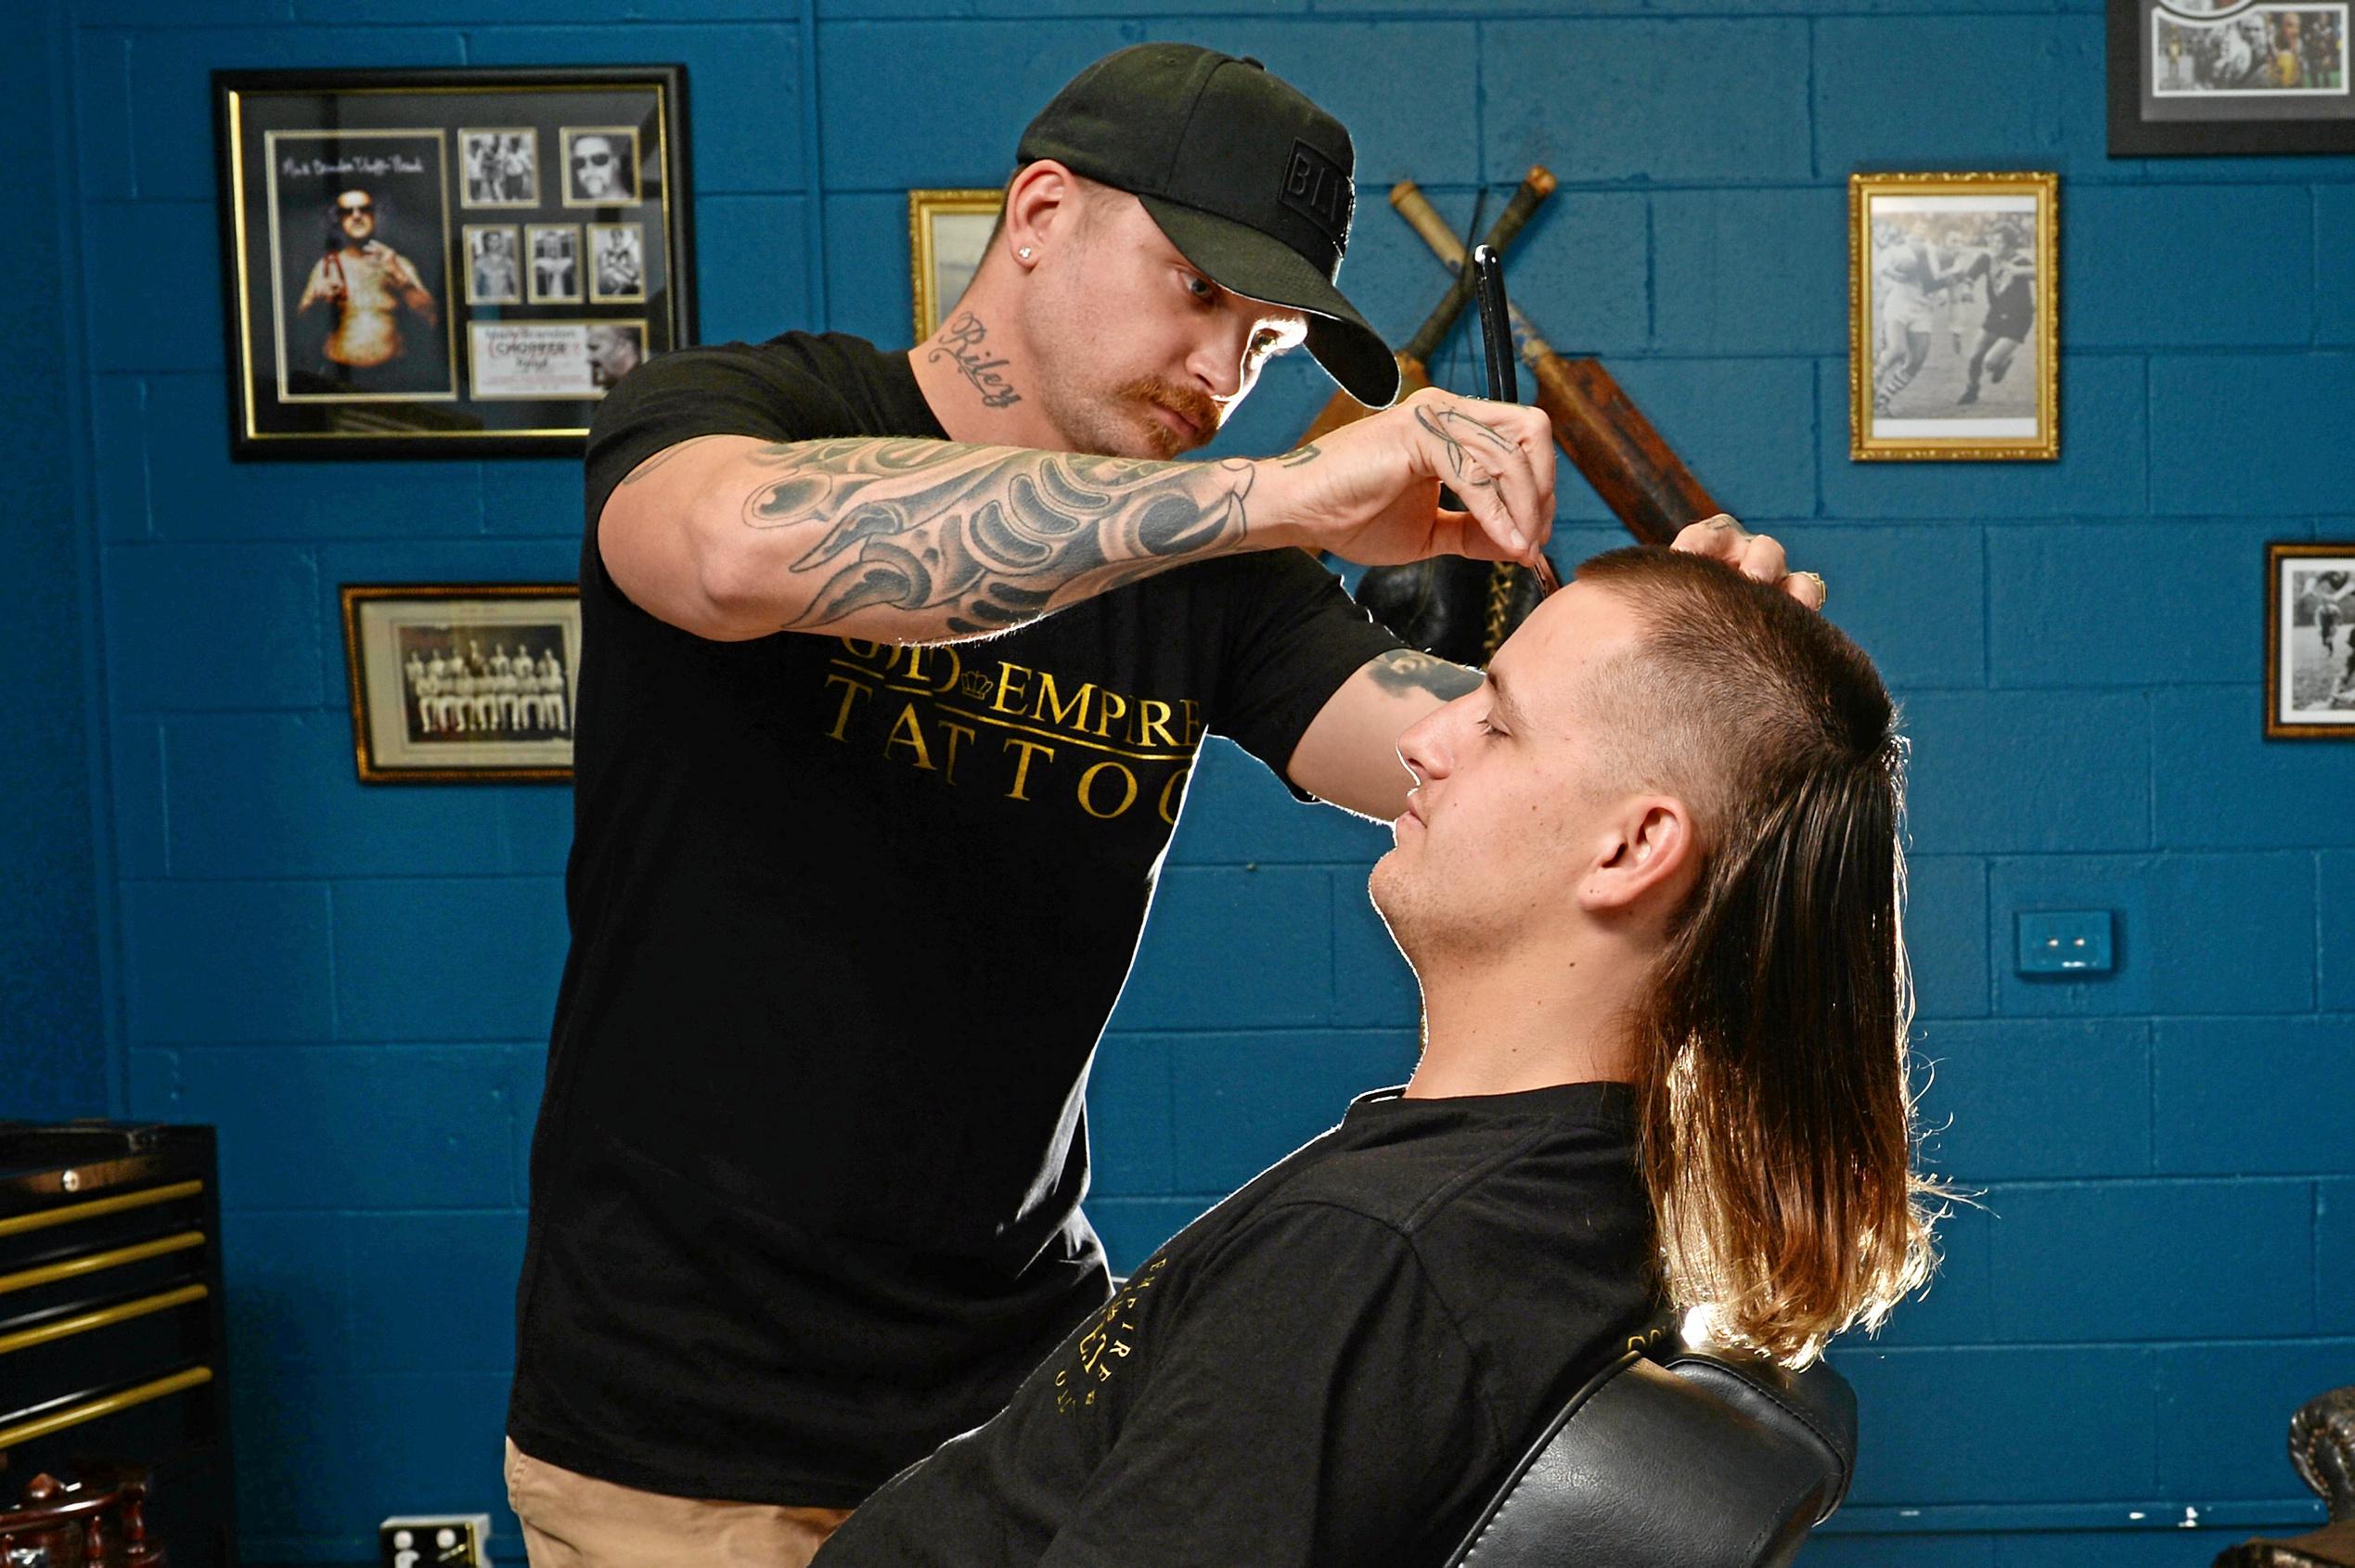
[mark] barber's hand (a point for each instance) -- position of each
(1370, 491)
(1756, 556)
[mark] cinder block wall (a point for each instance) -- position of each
(355, 982)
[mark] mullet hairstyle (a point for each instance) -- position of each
(1772, 1070)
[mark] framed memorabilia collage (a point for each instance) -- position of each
(444, 262)
(470, 682)
(2214, 78)
(1952, 346)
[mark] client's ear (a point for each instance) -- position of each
(1645, 852)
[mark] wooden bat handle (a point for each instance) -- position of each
(1535, 186)
(1637, 474)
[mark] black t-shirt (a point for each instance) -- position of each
(1333, 1367)
(847, 920)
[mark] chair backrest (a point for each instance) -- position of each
(1676, 1455)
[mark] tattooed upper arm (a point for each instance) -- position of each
(1407, 669)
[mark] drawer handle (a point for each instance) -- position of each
(17, 1225)
(42, 1426)
(84, 1322)
(92, 1263)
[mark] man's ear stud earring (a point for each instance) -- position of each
(1024, 252)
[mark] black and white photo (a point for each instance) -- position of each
(2310, 641)
(614, 349)
(462, 682)
(494, 268)
(556, 263)
(600, 166)
(617, 263)
(1954, 339)
(501, 166)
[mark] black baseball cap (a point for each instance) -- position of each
(1248, 180)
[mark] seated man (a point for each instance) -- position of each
(1648, 879)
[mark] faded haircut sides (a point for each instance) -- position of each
(1770, 1043)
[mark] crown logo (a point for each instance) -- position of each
(976, 686)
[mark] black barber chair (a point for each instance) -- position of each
(1676, 1455)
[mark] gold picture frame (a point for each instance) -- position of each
(438, 694)
(948, 231)
(320, 365)
(2310, 640)
(1953, 281)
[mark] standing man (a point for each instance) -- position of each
(852, 890)
(364, 284)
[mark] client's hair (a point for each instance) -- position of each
(1770, 1043)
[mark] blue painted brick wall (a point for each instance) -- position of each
(53, 1059)
(355, 982)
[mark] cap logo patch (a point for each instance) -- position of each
(1319, 189)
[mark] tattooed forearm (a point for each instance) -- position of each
(961, 342)
(1405, 669)
(970, 540)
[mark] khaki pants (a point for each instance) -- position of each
(573, 1521)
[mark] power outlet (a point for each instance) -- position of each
(436, 1540)
(2069, 942)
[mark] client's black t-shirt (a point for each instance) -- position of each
(1334, 1367)
(847, 920)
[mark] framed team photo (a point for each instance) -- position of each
(1953, 350)
(948, 231)
(494, 268)
(555, 263)
(2310, 641)
(500, 167)
(617, 263)
(2218, 78)
(600, 165)
(381, 230)
(462, 683)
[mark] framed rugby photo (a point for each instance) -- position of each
(2310, 641)
(948, 232)
(1953, 347)
(462, 682)
(2218, 78)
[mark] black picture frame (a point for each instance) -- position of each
(422, 191)
(462, 683)
(2169, 91)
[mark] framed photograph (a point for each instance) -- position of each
(492, 275)
(556, 262)
(617, 263)
(2310, 641)
(2215, 78)
(462, 683)
(533, 361)
(600, 166)
(948, 231)
(500, 167)
(364, 272)
(1952, 346)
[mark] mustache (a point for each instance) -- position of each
(1188, 403)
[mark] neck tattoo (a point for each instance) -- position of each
(961, 341)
